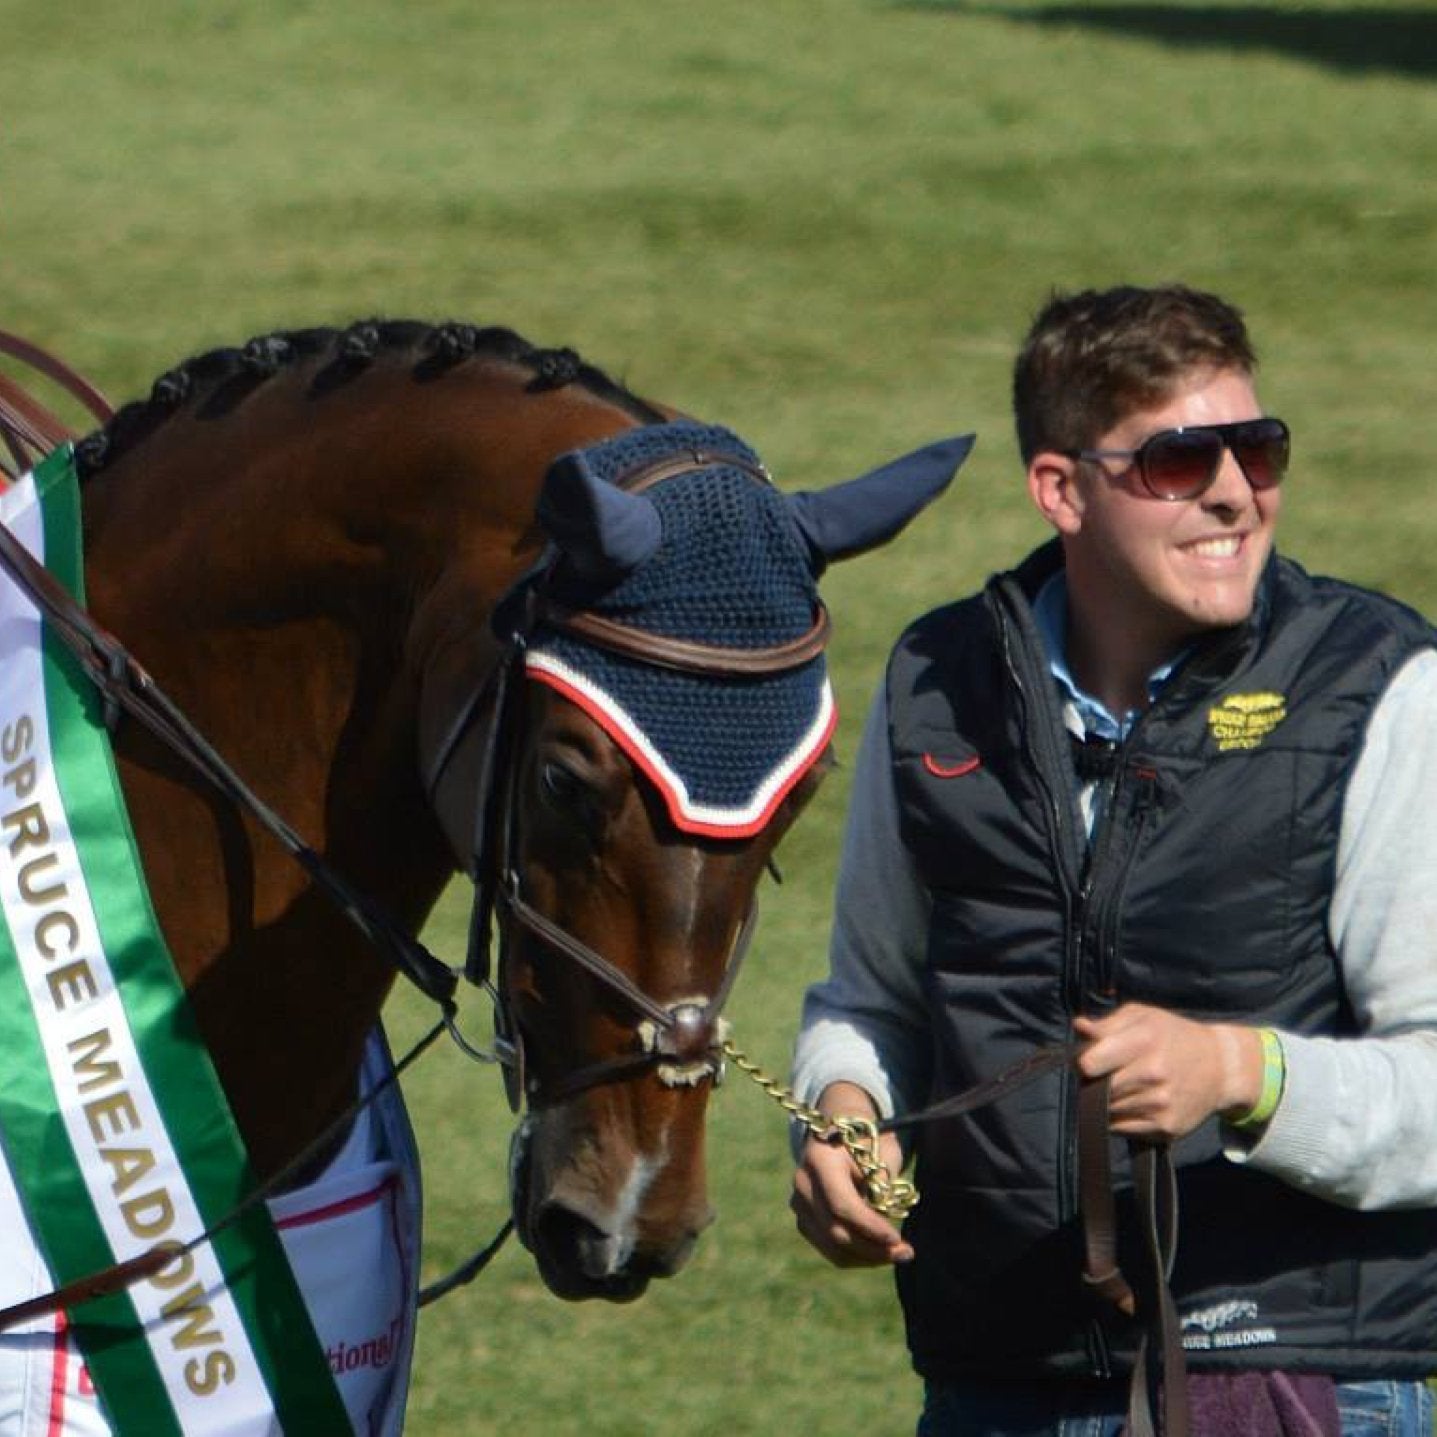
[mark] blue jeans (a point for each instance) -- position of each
(1385, 1409)
(1096, 1409)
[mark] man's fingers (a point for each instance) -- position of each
(834, 1218)
(845, 1246)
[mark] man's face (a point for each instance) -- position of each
(1158, 572)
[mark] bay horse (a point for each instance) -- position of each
(367, 564)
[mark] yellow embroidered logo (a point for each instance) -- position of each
(1244, 720)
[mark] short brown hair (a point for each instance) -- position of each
(1092, 357)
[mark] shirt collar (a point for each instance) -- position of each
(1082, 713)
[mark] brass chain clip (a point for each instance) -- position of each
(894, 1197)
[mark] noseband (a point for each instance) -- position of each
(680, 1041)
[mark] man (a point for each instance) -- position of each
(1159, 791)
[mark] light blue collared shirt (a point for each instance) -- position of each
(1084, 715)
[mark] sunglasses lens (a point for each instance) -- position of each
(1262, 449)
(1180, 463)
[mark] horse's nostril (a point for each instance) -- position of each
(579, 1245)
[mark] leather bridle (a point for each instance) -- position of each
(681, 1042)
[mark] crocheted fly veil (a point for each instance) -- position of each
(727, 565)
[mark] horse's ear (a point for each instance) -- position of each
(863, 513)
(602, 532)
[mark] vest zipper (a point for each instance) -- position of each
(1081, 870)
(1042, 729)
(1092, 874)
(1122, 825)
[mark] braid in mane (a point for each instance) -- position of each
(214, 382)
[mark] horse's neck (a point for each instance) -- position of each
(297, 599)
(271, 627)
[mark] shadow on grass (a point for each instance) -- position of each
(1399, 39)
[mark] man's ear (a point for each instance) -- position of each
(1053, 486)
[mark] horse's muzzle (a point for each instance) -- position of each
(587, 1250)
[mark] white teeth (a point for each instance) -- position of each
(1216, 548)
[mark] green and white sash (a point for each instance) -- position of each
(112, 1122)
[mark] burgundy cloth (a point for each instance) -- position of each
(1263, 1404)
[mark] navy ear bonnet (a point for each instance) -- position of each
(712, 555)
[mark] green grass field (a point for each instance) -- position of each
(826, 225)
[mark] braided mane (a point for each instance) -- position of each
(213, 383)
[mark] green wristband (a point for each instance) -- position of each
(1274, 1075)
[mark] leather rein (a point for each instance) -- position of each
(28, 429)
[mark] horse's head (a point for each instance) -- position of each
(609, 1186)
(666, 714)
(640, 719)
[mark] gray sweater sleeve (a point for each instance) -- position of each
(1357, 1124)
(866, 1022)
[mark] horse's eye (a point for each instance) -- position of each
(561, 786)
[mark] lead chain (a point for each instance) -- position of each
(894, 1197)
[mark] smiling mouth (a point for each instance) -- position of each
(1226, 547)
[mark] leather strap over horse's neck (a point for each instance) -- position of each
(28, 428)
(55, 369)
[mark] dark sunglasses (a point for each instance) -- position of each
(1183, 463)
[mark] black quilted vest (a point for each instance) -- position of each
(1205, 890)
